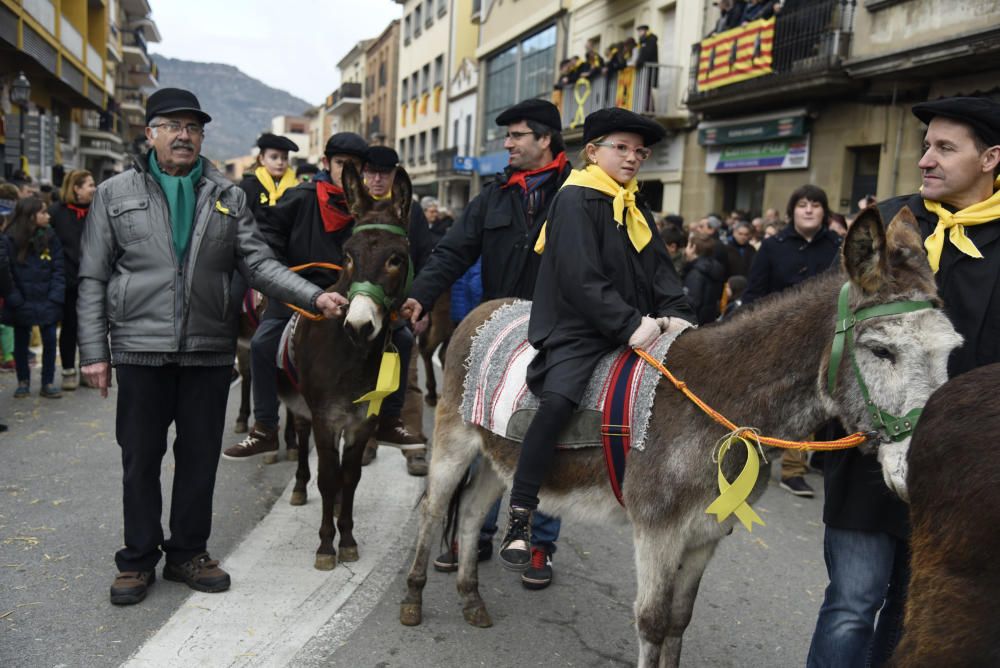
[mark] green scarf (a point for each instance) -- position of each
(179, 191)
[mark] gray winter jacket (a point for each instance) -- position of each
(133, 285)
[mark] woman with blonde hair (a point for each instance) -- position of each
(68, 216)
(605, 281)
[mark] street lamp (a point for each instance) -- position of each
(20, 94)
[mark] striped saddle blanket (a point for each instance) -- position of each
(616, 406)
(286, 351)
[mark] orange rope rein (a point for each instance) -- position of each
(850, 441)
(299, 267)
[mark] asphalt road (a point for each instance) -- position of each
(60, 523)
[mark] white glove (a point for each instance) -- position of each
(644, 334)
(670, 325)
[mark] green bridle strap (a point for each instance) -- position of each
(894, 428)
(374, 290)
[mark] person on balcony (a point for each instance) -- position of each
(647, 58)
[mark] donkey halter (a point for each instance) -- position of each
(891, 428)
(373, 290)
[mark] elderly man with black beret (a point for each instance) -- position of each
(500, 226)
(159, 251)
(867, 528)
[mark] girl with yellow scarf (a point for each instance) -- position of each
(272, 175)
(606, 281)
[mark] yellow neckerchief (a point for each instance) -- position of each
(623, 203)
(981, 212)
(288, 180)
(381, 198)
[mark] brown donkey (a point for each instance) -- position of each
(765, 368)
(438, 333)
(338, 360)
(953, 606)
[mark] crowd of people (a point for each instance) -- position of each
(68, 260)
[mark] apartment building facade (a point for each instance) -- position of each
(833, 106)
(422, 112)
(381, 86)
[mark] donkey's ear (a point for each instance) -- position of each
(359, 200)
(907, 258)
(402, 196)
(865, 251)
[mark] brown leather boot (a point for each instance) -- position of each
(130, 587)
(201, 573)
(416, 462)
(261, 439)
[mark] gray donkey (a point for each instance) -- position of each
(764, 368)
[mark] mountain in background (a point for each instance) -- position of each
(241, 107)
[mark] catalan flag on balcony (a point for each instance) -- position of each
(437, 98)
(413, 110)
(402, 116)
(423, 103)
(736, 55)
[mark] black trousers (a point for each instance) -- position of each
(149, 400)
(67, 332)
(539, 447)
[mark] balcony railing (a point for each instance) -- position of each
(445, 160)
(806, 42)
(650, 90)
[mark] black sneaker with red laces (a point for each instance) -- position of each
(539, 573)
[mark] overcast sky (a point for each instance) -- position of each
(293, 45)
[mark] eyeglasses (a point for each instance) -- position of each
(517, 135)
(641, 152)
(174, 128)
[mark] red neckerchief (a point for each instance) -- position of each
(332, 206)
(518, 177)
(80, 211)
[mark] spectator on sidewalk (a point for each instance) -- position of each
(69, 216)
(36, 297)
(704, 277)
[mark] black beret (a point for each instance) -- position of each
(605, 121)
(542, 111)
(981, 113)
(346, 143)
(643, 27)
(305, 169)
(268, 140)
(172, 100)
(381, 158)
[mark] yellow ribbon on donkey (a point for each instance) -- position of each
(733, 497)
(386, 384)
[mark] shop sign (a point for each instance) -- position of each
(765, 156)
(745, 133)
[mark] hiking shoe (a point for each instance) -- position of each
(447, 562)
(50, 391)
(416, 462)
(261, 439)
(130, 587)
(515, 550)
(392, 432)
(201, 573)
(9, 365)
(539, 573)
(69, 380)
(797, 486)
(23, 390)
(368, 456)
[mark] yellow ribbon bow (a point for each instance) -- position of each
(387, 383)
(733, 497)
(955, 223)
(623, 204)
(274, 192)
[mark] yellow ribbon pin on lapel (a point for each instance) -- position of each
(220, 208)
(387, 383)
(733, 497)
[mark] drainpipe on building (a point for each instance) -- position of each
(898, 148)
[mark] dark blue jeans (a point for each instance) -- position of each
(22, 340)
(869, 574)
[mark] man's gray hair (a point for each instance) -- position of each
(153, 124)
(427, 202)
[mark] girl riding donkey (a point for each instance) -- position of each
(605, 280)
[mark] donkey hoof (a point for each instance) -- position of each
(271, 458)
(325, 562)
(431, 401)
(410, 614)
(477, 616)
(292, 454)
(241, 427)
(349, 553)
(298, 498)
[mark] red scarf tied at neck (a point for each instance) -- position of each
(518, 178)
(80, 211)
(332, 206)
